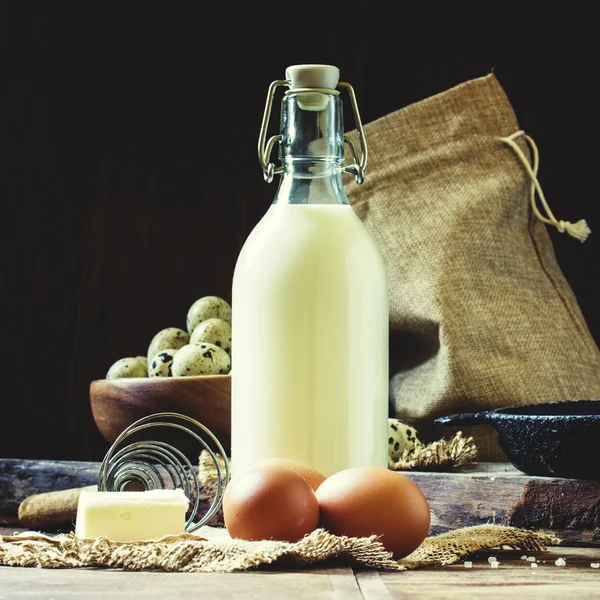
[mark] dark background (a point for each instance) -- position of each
(130, 170)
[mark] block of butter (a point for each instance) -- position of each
(128, 516)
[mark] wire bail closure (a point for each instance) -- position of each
(265, 148)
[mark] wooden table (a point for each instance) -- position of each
(475, 494)
(513, 579)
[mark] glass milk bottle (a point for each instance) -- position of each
(310, 299)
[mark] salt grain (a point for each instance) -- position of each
(533, 565)
(492, 559)
(530, 558)
(524, 557)
(560, 562)
(595, 565)
(494, 565)
(468, 564)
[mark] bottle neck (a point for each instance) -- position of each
(311, 149)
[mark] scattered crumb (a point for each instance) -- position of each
(492, 478)
(468, 564)
(534, 565)
(530, 558)
(560, 562)
(492, 559)
(524, 557)
(595, 565)
(494, 565)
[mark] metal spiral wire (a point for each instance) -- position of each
(158, 465)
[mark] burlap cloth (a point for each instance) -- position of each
(481, 316)
(443, 454)
(213, 551)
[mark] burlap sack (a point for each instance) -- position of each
(481, 315)
(214, 552)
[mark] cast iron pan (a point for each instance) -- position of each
(558, 439)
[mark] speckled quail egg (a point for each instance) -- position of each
(143, 359)
(200, 359)
(213, 331)
(132, 366)
(208, 307)
(165, 339)
(160, 365)
(401, 438)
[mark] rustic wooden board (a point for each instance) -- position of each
(513, 579)
(499, 493)
(474, 495)
(314, 584)
(20, 479)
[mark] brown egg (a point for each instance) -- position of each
(314, 478)
(364, 501)
(270, 502)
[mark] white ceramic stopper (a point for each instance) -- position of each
(312, 76)
(320, 76)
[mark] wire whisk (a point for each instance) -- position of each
(158, 465)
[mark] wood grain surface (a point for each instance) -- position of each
(514, 579)
(499, 493)
(34, 490)
(54, 509)
(117, 403)
(20, 479)
(473, 495)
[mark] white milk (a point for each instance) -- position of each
(310, 341)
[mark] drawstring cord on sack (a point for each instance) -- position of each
(579, 230)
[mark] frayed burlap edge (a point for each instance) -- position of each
(189, 553)
(192, 553)
(437, 455)
(207, 472)
(450, 547)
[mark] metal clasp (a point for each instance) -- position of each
(359, 166)
(265, 148)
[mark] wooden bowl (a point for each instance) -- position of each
(117, 403)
